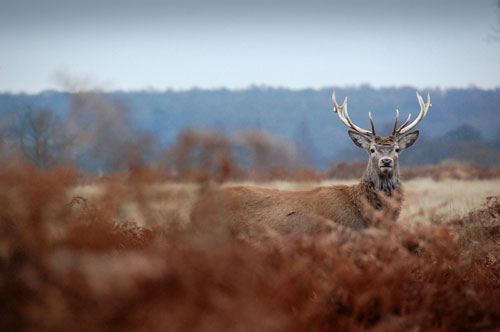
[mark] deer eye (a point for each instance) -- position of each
(397, 150)
(372, 150)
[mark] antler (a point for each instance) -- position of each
(424, 107)
(344, 117)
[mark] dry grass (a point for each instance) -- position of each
(429, 200)
(147, 204)
(426, 199)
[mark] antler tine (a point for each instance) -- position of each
(404, 124)
(396, 131)
(344, 117)
(371, 123)
(395, 122)
(340, 109)
(424, 108)
(335, 105)
(353, 126)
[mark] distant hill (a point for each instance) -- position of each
(305, 117)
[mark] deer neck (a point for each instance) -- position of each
(382, 193)
(387, 184)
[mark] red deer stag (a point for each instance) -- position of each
(249, 209)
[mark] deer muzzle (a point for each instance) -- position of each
(386, 164)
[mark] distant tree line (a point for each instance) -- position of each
(104, 132)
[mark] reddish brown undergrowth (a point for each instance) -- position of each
(71, 265)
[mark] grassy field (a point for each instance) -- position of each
(426, 200)
(102, 254)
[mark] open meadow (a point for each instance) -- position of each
(426, 200)
(91, 253)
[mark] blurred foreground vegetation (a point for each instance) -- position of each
(68, 262)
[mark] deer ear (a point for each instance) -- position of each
(407, 140)
(360, 140)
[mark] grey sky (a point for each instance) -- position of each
(232, 43)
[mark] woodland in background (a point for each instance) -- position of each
(102, 132)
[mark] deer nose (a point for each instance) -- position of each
(386, 162)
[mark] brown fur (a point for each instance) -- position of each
(252, 211)
(389, 140)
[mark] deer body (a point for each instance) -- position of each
(251, 210)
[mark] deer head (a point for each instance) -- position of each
(383, 165)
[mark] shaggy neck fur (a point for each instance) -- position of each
(372, 185)
(385, 183)
(382, 192)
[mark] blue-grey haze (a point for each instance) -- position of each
(462, 125)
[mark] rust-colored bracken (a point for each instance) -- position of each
(74, 263)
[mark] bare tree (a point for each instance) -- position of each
(105, 137)
(39, 136)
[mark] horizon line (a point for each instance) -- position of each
(246, 88)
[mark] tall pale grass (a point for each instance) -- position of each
(426, 200)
